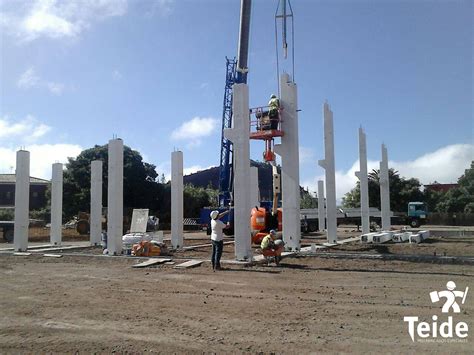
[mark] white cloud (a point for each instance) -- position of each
(42, 156)
(194, 169)
(444, 165)
(27, 130)
(30, 80)
(55, 88)
(193, 130)
(58, 19)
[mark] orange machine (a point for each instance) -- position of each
(262, 221)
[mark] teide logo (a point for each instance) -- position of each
(446, 329)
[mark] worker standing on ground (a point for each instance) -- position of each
(217, 238)
(274, 107)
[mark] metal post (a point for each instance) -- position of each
(56, 204)
(328, 164)
(115, 198)
(96, 202)
(288, 150)
(177, 199)
(239, 136)
(22, 200)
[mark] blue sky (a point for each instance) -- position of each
(74, 73)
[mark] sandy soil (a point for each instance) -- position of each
(101, 304)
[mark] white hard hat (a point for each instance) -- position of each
(273, 232)
(214, 214)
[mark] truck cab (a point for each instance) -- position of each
(417, 214)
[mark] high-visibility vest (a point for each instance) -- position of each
(266, 241)
(274, 103)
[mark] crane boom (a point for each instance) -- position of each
(243, 48)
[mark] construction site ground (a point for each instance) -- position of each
(87, 302)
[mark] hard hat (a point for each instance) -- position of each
(273, 96)
(273, 232)
(279, 242)
(214, 214)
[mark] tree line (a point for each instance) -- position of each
(456, 200)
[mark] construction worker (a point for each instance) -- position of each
(274, 106)
(217, 238)
(267, 241)
(272, 246)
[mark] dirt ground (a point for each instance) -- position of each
(99, 304)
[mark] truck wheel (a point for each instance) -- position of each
(8, 235)
(414, 223)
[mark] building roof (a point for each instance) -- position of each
(10, 179)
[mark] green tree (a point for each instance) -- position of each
(402, 191)
(461, 198)
(140, 187)
(195, 198)
(307, 200)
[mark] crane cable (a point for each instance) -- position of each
(284, 36)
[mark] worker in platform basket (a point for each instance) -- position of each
(274, 107)
(217, 238)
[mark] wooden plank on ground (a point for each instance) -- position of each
(189, 264)
(53, 255)
(20, 253)
(191, 247)
(62, 248)
(151, 262)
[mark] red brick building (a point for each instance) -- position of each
(440, 187)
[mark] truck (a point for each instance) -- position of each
(417, 215)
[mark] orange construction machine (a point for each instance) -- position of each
(263, 220)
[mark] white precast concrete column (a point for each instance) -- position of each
(321, 208)
(22, 201)
(254, 191)
(239, 136)
(328, 164)
(384, 190)
(56, 204)
(364, 182)
(290, 167)
(177, 199)
(96, 202)
(115, 197)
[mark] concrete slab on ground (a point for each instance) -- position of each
(189, 264)
(151, 262)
